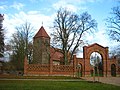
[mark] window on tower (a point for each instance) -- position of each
(39, 42)
(46, 41)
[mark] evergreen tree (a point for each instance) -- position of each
(1, 36)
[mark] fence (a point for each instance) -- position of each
(48, 69)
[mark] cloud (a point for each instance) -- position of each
(34, 17)
(76, 1)
(37, 17)
(17, 6)
(73, 5)
(85, 1)
(65, 4)
(37, 1)
(3, 7)
(100, 36)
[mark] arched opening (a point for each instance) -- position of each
(113, 70)
(96, 62)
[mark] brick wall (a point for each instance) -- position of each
(47, 69)
(85, 69)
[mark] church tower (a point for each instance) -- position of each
(41, 47)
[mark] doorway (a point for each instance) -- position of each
(113, 70)
(97, 63)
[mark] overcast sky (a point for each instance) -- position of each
(16, 12)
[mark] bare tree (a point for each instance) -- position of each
(115, 53)
(21, 43)
(69, 29)
(26, 31)
(113, 23)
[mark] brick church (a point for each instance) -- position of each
(49, 61)
(43, 52)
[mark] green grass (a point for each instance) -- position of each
(53, 85)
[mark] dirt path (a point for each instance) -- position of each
(108, 80)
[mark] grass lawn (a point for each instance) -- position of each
(53, 85)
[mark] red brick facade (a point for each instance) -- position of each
(107, 62)
(45, 65)
(85, 69)
(47, 69)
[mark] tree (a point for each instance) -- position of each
(1, 36)
(113, 24)
(69, 29)
(21, 43)
(1, 42)
(115, 53)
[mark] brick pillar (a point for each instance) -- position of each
(106, 62)
(74, 65)
(51, 66)
(109, 68)
(118, 71)
(85, 59)
(25, 65)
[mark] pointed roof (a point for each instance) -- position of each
(41, 33)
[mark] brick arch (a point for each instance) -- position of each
(98, 53)
(88, 50)
(96, 50)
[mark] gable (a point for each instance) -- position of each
(95, 45)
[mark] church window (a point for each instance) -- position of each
(47, 41)
(39, 42)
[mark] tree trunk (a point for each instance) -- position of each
(65, 58)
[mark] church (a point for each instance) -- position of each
(49, 61)
(42, 51)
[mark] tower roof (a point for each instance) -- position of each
(41, 33)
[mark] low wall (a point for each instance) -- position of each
(47, 69)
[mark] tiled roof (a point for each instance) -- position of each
(55, 54)
(41, 33)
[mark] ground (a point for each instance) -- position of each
(54, 85)
(108, 80)
(58, 83)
